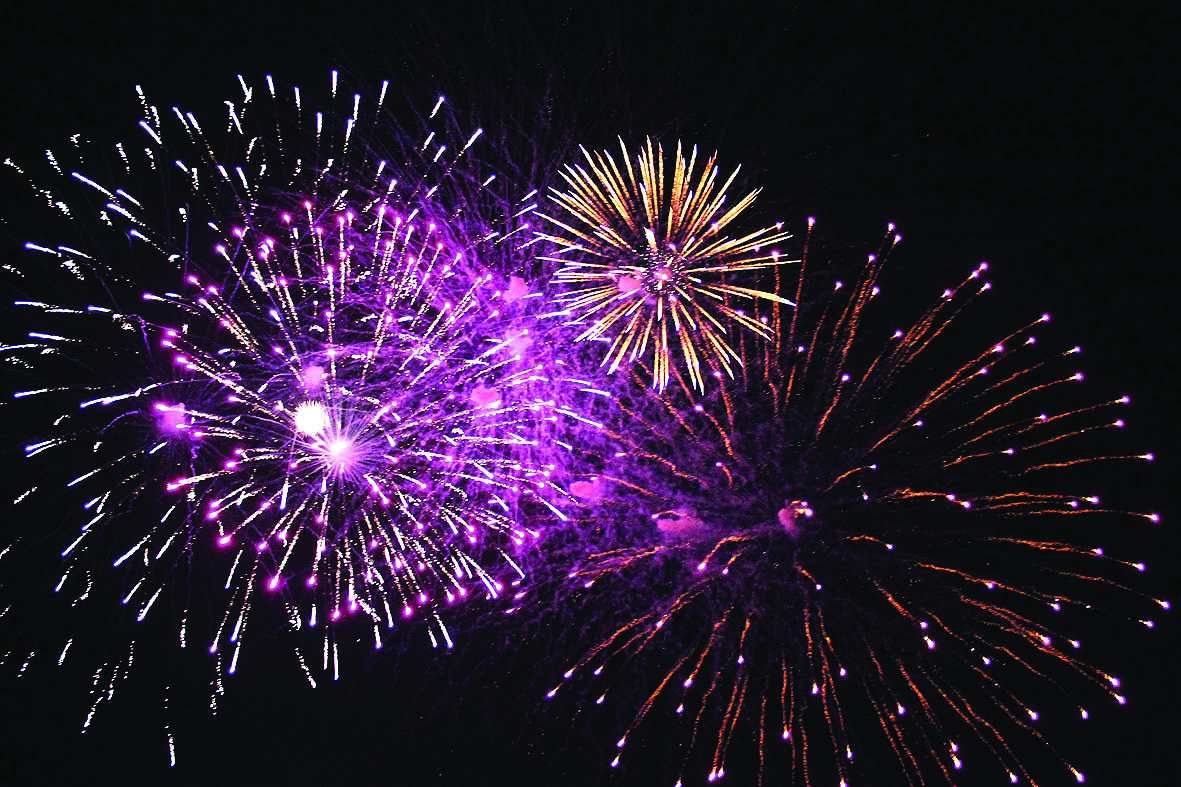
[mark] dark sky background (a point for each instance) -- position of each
(1041, 138)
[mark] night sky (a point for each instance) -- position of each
(1043, 140)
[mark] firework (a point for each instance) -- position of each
(645, 261)
(297, 365)
(858, 555)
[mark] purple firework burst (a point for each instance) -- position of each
(300, 364)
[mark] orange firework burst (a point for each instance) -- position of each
(863, 546)
(645, 262)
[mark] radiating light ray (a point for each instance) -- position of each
(645, 261)
(308, 355)
(866, 547)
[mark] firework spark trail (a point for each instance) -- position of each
(328, 381)
(644, 261)
(849, 541)
(336, 394)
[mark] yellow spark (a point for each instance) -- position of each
(645, 262)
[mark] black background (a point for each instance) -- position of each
(1041, 137)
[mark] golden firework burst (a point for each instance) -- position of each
(645, 261)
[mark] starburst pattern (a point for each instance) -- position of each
(330, 397)
(294, 377)
(646, 263)
(854, 552)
